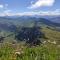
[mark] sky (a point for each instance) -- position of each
(29, 7)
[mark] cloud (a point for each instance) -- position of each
(1, 6)
(31, 13)
(40, 3)
(7, 11)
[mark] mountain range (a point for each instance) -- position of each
(10, 23)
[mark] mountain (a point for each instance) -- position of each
(56, 19)
(48, 22)
(11, 23)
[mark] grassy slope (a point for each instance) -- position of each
(47, 51)
(52, 35)
(43, 52)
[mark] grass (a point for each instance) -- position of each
(43, 52)
(19, 51)
(52, 35)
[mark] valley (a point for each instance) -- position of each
(29, 38)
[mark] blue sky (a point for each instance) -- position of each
(29, 7)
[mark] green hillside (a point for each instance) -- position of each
(42, 36)
(46, 51)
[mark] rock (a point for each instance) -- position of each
(44, 42)
(54, 42)
(49, 41)
(18, 53)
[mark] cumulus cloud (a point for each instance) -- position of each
(40, 3)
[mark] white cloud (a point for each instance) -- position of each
(40, 3)
(32, 13)
(1, 6)
(7, 12)
(53, 12)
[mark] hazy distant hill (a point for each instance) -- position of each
(56, 19)
(10, 23)
(48, 22)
